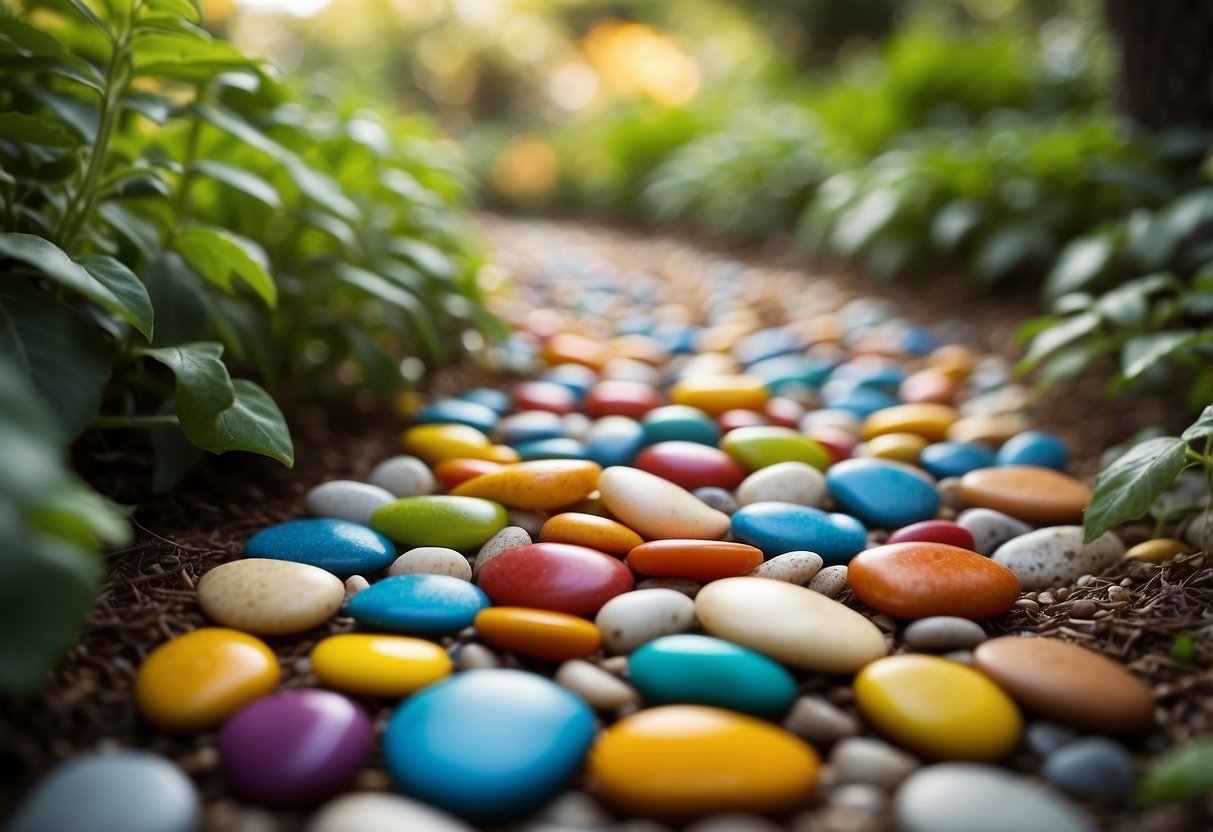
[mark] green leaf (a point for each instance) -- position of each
(426, 256)
(236, 127)
(185, 8)
(1125, 489)
(1202, 428)
(864, 220)
(219, 255)
(1080, 264)
(53, 262)
(1141, 353)
(398, 297)
(1152, 240)
(179, 298)
(252, 423)
(1007, 248)
(138, 231)
(953, 224)
(204, 388)
(184, 57)
(321, 188)
(19, 127)
(64, 69)
(126, 286)
(1055, 337)
(58, 349)
(1128, 305)
(1183, 773)
(241, 180)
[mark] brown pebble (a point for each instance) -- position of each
(1084, 608)
(1027, 492)
(1027, 604)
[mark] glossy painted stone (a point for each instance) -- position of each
(955, 459)
(337, 546)
(417, 604)
(935, 531)
(542, 484)
(990, 430)
(733, 419)
(679, 762)
(629, 620)
(577, 377)
(899, 447)
(784, 412)
(296, 748)
(555, 576)
(366, 664)
(789, 623)
(461, 523)
(701, 560)
(496, 400)
(702, 670)
(403, 476)
(434, 443)
(572, 348)
(110, 791)
(1068, 683)
(517, 736)
(882, 493)
(529, 426)
(540, 634)
(858, 400)
(918, 580)
(621, 397)
(1159, 550)
(679, 423)
(197, 680)
(639, 347)
(347, 500)
(590, 530)
(614, 440)
(758, 447)
(937, 708)
(544, 395)
(930, 421)
(776, 528)
(1027, 492)
(657, 508)
(785, 482)
(790, 371)
(837, 442)
(691, 465)
(457, 412)
(1057, 555)
(270, 597)
(1034, 447)
(451, 472)
(717, 394)
(928, 386)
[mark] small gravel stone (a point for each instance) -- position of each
(819, 722)
(949, 493)
(601, 689)
(574, 810)
(404, 476)
(432, 560)
(794, 567)
(511, 537)
(863, 760)
(1043, 738)
(615, 665)
(959, 656)
(1027, 604)
(1095, 767)
(1083, 608)
(733, 822)
(475, 657)
(943, 633)
(717, 498)
(830, 581)
(1119, 593)
(355, 584)
(864, 797)
(530, 522)
(685, 586)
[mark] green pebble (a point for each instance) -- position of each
(462, 523)
(760, 446)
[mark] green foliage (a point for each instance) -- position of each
(1183, 773)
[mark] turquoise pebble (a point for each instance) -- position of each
(489, 745)
(785, 371)
(1034, 447)
(614, 440)
(882, 375)
(340, 546)
(882, 493)
(559, 448)
(418, 604)
(857, 399)
(574, 377)
(676, 338)
(768, 343)
(530, 426)
(955, 459)
(776, 528)
(457, 412)
(497, 400)
(709, 671)
(918, 341)
(679, 422)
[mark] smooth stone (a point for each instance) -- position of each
(1094, 767)
(418, 604)
(432, 560)
(1043, 738)
(716, 394)
(790, 623)
(1159, 550)
(377, 811)
(110, 791)
(366, 664)
(296, 748)
(622, 397)
(935, 531)
(784, 372)
(776, 528)
(943, 633)
(882, 493)
(434, 443)
(461, 523)
(511, 537)
(1056, 555)
(858, 400)
(793, 567)
(990, 529)
(338, 546)
(270, 597)
(457, 412)
(544, 395)
(197, 680)
(574, 348)
(404, 476)
(930, 421)
(989, 430)
(937, 708)
(355, 584)
(562, 448)
(864, 760)
(614, 440)
(830, 581)
(690, 465)
(1027, 492)
(678, 422)
(717, 498)
(635, 618)
(1034, 447)
(473, 656)
(730, 420)
(555, 576)
(761, 446)
(657, 508)
(530, 426)
(540, 634)
(929, 385)
(955, 459)
(577, 377)
(496, 400)
(962, 797)
(678, 762)
(452, 472)
(518, 737)
(819, 722)
(784, 482)
(920, 580)
(702, 670)
(700, 560)
(590, 530)
(577, 426)
(602, 690)
(838, 443)
(540, 484)
(1067, 683)
(347, 500)
(899, 447)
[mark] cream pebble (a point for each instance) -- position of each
(404, 476)
(432, 560)
(270, 597)
(657, 508)
(830, 581)
(355, 584)
(792, 567)
(347, 500)
(634, 618)
(602, 690)
(784, 482)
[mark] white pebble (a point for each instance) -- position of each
(511, 537)
(830, 581)
(794, 567)
(863, 760)
(602, 690)
(634, 618)
(377, 811)
(355, 584)
(1056, 555)
(990, 529)
(785, 482)
(404, 476)
(432, 560)
(476, 657)
(347, 500)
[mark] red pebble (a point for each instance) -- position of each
(935, 531)
(544, 395)
(691, 465)
(917, 580)
(784, 412)
(621, 397)
(838, 443)
(740, 419)
(700, 560)
(555, 576)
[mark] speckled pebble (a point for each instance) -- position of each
(601, 690)
(347, 500)
(635, 618)
(864, 760)
(819, 722)
(404, 476)
(511, 537)
(990, 528)
(1096, 767)
(793, 567)
(270, 597)
(830, 581)
(1056, 555)
(432, 560)
(943, 633)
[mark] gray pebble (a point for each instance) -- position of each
(686, 586)
(602, 690)
(634, 618)
(347, 500)
(511, 537)
(574, 810)
(819, 722)
(717, 498)
(959, 656)
(830, 581)
(476, 657)
(785, 482)
(864, 797)
(943, 633)
(863, 760)
(1056, 555)
(530, 522)
(794, 567)
(377, 811)
(990, 528)
(404, 476)
(733, 822)
(1043, 738)
(1095, 767)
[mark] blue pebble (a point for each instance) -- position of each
(573, 377)
(424, 605)
(776, 528)
(857, 399)
(614, 440)
(709, 671)
(882, 375)
(498, 400)
(791, 370)
(530, 426)
(1092, 767)
(490, 745)
(1034, 447)
(767, 343)
(955, 459)
(560, 448)
(918, 341)
(340, 546)
(881, 492)
(457, 412)
(676, 338)
(679, 423)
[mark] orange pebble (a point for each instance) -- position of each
(451, 472)
(929, 386)
(590, 530)
(540, 634)
(700, 560)
(570, 348)
(639, 347)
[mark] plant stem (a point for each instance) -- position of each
(134, 422)
(181, 205)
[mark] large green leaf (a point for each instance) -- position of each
(204, 388)
(396, 296)
(1059, 335)
(1201, 429)
(1141, 353)
(1183, 773)
(321, 189)
(179, 296)
(252, 423)
(240, 179)
(219, 255)
(126, 286)
(19, 127)
(1080, 264)
(1128, 305)
(1125, 489)
(1008, 248)
(185, 57)
(185, 8)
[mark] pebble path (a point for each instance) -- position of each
(716, 562)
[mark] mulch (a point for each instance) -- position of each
(1134, 613)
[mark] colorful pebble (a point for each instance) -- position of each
(542, 484)
(918, 580)
(716, 394)
(1027, 492)
(882, 493)
(690, 465)
(657, 508)
(365, 664)
(776, 528)
(590, 530)
(417, 604)
(338, 546)
(555, 576)
(540, 634)
(759, 446)
(461, 523)
(701, 560)
(270, 597)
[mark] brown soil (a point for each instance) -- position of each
(148, 596)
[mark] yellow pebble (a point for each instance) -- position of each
(678, 762)
(198, 680)
(938, 708)
(1159, 550)
(588, 529)
(925, 419)
(901, 447)
(717, 394)
(434, 443)
(955, 360)
(378, 665)
(539, 484)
